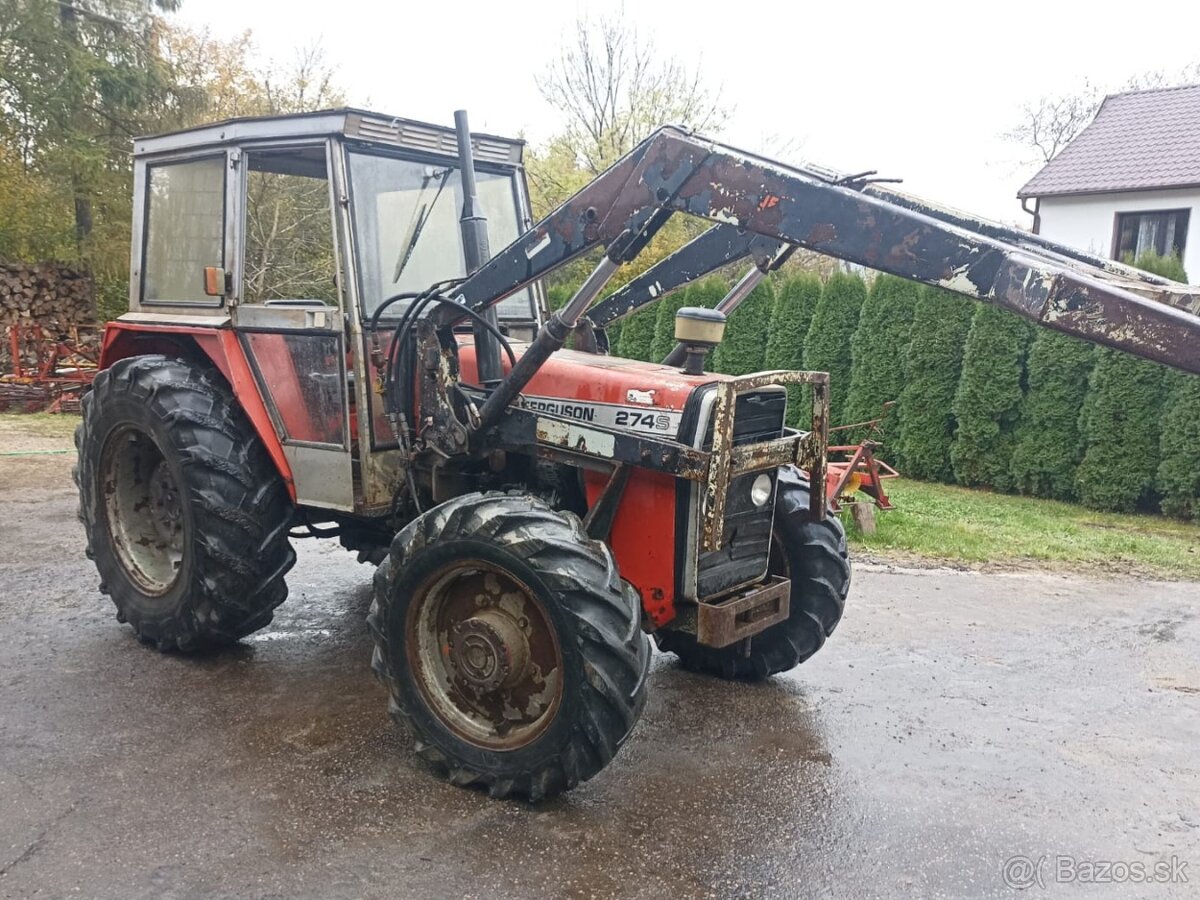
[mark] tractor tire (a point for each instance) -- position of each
(186, 516)
(509, 645)
(814, 556)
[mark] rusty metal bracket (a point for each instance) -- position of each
(744, 613)
(806, 451)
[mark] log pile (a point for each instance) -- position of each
(45, 292)
(48, 294)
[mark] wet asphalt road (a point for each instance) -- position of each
(953, 721)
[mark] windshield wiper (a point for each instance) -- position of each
(420, 217)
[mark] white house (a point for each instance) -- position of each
(1129, 182)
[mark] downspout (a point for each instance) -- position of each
(1037, 216)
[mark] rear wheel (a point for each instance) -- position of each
(509, 644)
(186, 517)
(814, 556)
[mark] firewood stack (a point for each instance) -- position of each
(48, 294)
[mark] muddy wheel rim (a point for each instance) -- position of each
(143, 510)
(484, 655)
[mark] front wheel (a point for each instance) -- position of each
(814, 556)
(509, 644)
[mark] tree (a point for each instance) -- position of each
(877, 351)
(78, 80)
(35, 213)
(931, 371)
(827, 344)
(795, 302)
(1179, 472)
(987, 402)
(613, 88)
(1049, 444)
(1047, 124)
(744, 346)
(1120, 426)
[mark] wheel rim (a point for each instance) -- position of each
(143, 510)
(484, 655)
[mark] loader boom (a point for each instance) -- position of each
(673, 171)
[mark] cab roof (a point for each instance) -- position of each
(355, 124)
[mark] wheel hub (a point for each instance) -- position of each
(485, 654)
(489, 651)
(143, 510)
(165, 511)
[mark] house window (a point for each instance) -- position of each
(1162, 231)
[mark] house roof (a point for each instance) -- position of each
(1141, 140)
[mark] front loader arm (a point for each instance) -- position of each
(673, 171)
(718, 246)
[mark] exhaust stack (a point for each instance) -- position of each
(476, 250)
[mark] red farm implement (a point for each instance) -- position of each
(853, 469)
(49, 366)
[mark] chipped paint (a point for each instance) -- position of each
(576, 437)
(537, 248)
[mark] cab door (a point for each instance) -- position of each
(288, 311)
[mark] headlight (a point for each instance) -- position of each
(760, 490)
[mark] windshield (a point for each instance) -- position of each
(406, 225)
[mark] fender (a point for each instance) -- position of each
(222, 348)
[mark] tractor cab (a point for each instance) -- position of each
(289, 232)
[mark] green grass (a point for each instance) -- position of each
(51, 425)
(935, 522)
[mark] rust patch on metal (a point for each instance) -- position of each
(822, 234)
(744, 613)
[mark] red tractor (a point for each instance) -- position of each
(320, 344)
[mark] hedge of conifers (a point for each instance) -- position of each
(983, 398)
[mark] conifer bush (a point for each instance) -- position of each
(745, 344)
(931, 369)
(987, 402)
(1179, 470)
(877, 354)
(827, 345)
(1049, 444)
(1120, 427)
(1121, 423)
(795, 302)
(637, 334)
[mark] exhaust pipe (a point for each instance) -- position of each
(476, 251)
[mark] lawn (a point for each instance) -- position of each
(935, 522)
(36, 433)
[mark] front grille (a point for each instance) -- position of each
(742, 557)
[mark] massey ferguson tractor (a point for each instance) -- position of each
(321, 344)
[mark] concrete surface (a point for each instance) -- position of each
(954, 721)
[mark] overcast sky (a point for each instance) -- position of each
(918, 90)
